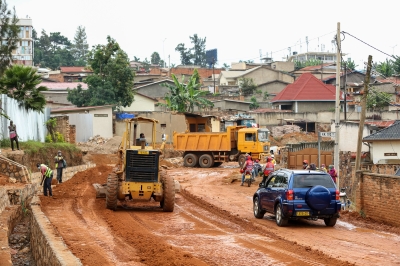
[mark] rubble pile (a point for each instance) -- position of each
(100, 145)
(286, 129)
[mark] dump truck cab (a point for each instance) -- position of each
(254, 141)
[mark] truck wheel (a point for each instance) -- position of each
(168, 201)
(241, 160)
(190, 160)
(112, 191)
(206, 161)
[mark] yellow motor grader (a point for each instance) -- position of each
(137, 176)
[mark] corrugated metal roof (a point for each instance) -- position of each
(74, 70)
(63, 85)
(390, 133)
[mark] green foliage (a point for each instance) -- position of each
(112, 79)
(350, 65)
(247, 86)
(5, 142)
(396, 64)
(184, 97)
(386, 68)
(34, 147)
(226, 66)
(9, 31)
(195, 55)
(254, 104)
(309, 62)
(266, 96)
(155, 58)
(58, 137)
(21, 83)
(80, 47)
(377, 100)
(258, 92)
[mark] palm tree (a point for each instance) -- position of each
(21, 83)
(184, 97)
(385, 68)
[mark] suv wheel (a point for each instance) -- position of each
(330, 221)
(280, 220)
(258, 212)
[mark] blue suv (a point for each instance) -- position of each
(294, 194)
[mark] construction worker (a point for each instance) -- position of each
(47, 177)
(269, 168)
(59, 160)
(247, 168)
(305, 164)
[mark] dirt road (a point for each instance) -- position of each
(212, 225)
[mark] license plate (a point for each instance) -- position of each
(247, 177)
(302, 213)
(143, 152)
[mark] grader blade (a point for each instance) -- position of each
(100, 190)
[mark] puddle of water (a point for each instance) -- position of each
(346, 225)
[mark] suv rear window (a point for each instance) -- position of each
(310, 180)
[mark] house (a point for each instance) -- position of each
(140, 103)
(89, 121)
(187, 71)
(154, 90)
(226, 104)
(324, 57)
(384, 144)
(321, 72)
(57, 94)
(306, 94)
(74, 74)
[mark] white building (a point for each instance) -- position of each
(23, 55)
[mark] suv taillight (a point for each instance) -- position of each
(337, 195)
(289, 194)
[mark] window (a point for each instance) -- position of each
(27, 35)
(201, 128)
(278, 181)
(310, 180)
(21, 32)
(249, 137)
(192, 127)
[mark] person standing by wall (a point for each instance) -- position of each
(47, 177)
(333, 173)
(13, 134)
(59, 160)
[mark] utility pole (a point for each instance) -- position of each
(363, 111)
(345, 91)
(337, 104)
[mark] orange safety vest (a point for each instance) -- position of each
(269, 168)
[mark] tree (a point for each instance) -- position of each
(266, 96)
(195, 55)
(396, 64)
(247, 86)
(112, 79)
(186, 56)
(80, 47)
(155, 58)
(199, 50)
(184, 97)
(21, 83)
(385, 68)
(254, 104)
(226, 66)
(9, 35)
(377, 99)
(350, 64)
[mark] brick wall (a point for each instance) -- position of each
(377, 196)
(72, 134)
(63, 127)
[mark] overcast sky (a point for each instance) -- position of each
(238, 29)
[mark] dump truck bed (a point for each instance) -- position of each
(206, 141)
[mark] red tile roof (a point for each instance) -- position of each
(306, 88)
(75, 70)
(63, 85)
(380, 124)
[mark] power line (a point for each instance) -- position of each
(368, 44)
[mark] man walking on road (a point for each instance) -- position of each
(59, 160)
(47, 177)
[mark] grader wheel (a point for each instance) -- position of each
(168, 201)
(112, 191)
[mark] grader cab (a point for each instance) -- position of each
(137, 175)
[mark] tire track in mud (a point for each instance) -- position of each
(304, 254)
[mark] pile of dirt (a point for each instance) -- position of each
(3, 180)
(286, 129)
(294, 138)
(171, 153)
(172, 162)
(98, 145)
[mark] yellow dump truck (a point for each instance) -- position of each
(208, 149)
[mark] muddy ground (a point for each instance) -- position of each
(212, 224)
